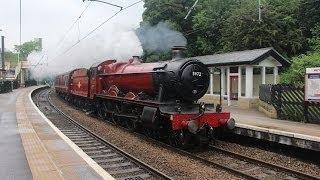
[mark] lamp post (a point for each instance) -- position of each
(20, 28)
(259, 9)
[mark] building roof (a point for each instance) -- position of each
(248, 57)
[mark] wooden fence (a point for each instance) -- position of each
(289, 103)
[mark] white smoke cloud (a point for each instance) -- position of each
(119, 42)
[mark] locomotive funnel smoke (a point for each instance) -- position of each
(160, 37)
(118, 42)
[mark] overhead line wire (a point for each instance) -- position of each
(67, 32)
(96, 28)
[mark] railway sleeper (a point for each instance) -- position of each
(127, 173)
(74, 137)
(98, 151)
(114, 160)
(141, 176)
(82, 145)
(93, 148)
(85, 141)
(118, 165)
(101, 156)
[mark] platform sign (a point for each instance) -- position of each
(312, 84)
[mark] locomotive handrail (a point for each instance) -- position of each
(108, 74)
(144, 102)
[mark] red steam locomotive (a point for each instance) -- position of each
(158, 98)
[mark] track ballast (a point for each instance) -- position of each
(115, 161)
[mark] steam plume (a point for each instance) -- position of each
(160, 37)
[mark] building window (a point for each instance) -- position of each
(234, 69)
(269, 75)
(256, 70)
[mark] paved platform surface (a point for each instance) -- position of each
(255, 120)
(13, 161)
(33, 148)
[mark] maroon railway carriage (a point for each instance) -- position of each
(160, 98)
(62, 83)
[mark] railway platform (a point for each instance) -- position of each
(255, 124)
(31, 147)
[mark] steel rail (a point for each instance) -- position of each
(215, 164)
(267, 164)
(134, 160)
(183, 152)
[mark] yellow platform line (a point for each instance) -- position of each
(41, 163)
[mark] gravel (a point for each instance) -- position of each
(272, 157)
(171, 163)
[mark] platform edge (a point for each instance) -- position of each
(96, 167)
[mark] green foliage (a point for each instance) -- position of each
(295, 74)
(216, 26)
(11, 57)
(173, 13)
(27, 48)
(150, 56)
(315, 39)
(308, 15)
(278, 28)
(208, 23)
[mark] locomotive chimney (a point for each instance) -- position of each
(137, 59)
(178, 52)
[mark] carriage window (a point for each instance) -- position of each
(65, 81)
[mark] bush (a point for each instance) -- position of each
(295, 74)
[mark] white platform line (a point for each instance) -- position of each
(279, 132)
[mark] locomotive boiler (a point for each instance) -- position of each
(160, 99)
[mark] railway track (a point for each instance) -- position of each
(115, 161)
(240, 165)
(264, 169)
(245, 166)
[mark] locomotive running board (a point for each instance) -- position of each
(139, 102)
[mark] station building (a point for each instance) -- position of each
(242, 73)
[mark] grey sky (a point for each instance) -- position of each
(50, 19)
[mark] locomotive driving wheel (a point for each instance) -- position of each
(131, 125)
(181, 139)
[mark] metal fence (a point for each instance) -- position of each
(289, 102)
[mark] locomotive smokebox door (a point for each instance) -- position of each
(149, 117)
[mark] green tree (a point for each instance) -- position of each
(308, 15)
(11, 57)
(278, 28)
(27, 48)
(173, 13)
(220, 26)
(208, 23)
(315, 39)
(295, 74)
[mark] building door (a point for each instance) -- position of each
(234, 87)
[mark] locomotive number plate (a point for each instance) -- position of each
(196, 74)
